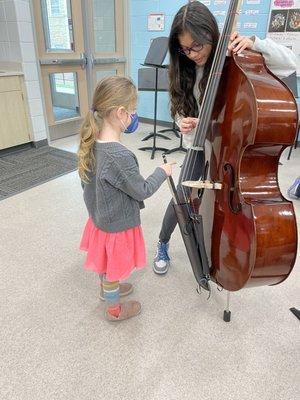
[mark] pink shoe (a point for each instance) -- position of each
(129, 309)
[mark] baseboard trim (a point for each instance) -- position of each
(40, 143)
(20, 147)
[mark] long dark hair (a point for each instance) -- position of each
(196, 19)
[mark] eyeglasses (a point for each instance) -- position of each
(187, 50)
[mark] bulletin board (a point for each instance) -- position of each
(284, 25)
(252, 19)
(276, 19)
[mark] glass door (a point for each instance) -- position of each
(104, 39)
(79, 42)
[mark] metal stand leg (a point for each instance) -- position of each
(173, 129)
(295, 145)
(296, 312)
(290, 152)
(227, 312)
(296, 141)
(179, 148)
(151, 134)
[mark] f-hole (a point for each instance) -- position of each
(234, 203)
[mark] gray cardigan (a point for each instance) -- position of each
(116, 190)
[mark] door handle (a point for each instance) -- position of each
(82, 61)
(109, 60)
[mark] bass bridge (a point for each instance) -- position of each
(203, 185)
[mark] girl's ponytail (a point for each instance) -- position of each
(92, 124)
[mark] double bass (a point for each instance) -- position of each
(238, 228)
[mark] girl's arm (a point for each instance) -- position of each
(129, 180)
(139, 188)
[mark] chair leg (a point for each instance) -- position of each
(296, 141)
(290, 152)
(295, 145)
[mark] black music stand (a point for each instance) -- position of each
(149, 81)
(154, 79)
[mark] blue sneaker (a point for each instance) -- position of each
(162, 260)
(294, 190)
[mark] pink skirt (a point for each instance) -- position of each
(114, 254)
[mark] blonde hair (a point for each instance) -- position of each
(111, 92)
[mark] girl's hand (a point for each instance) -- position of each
(239, 43)
(188, 124)
(168, 167)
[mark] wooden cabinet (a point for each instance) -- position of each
(14, 117)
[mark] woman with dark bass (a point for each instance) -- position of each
(192, 45)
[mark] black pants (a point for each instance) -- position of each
(170, 220)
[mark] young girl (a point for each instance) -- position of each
(114, 192)
(192, 43)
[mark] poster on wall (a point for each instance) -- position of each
(284, 25)
(156, 22)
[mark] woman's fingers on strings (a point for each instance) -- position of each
(241, 43)
(233, 40)
(244, 47)
(238, 41)
(238, 46)
(234, 43)
(234, 35)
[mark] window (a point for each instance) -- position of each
(64, 82)
(57, 25)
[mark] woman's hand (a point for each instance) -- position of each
(188, 124)
(239, 43)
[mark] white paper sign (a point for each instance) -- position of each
(156, 22)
